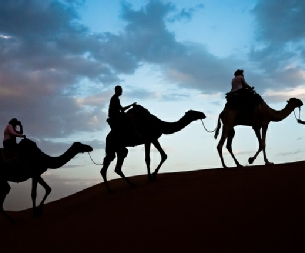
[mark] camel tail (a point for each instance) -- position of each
(218, 127)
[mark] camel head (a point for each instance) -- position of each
(194, 115)
(295, 102)
(81, 148)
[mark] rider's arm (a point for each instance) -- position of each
(13, 132)
(20, 131)
(128, 106)
(244, 83)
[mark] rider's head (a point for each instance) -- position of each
(14, 122)
(239, 72)
(118, 90)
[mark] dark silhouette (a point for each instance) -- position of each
(238, 82)
(258, 118)
(242, 96)
(10, 134)
(117, 117)
(32, 163)
(150, 128)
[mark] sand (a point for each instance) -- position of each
(251, 209)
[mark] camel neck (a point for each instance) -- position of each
(173, 127)
(59, 161)
(281, 114)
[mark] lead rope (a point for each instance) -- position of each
(93, 160)
(207, 129)
(299, 114)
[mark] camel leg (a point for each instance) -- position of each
(107, 160)
(4, 190)
(229, 146)
(163, 157)
(48, 191)
(260, 147)
(147, 158)
(34, 195)
(121, 154)
(264, 131)
(222, 140)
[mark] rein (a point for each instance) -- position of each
(93, 160)
(299, 114)
(207, 129)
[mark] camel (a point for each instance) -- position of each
(259, 119)
(32, 163)
(151, 128)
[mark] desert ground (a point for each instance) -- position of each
(250, 209)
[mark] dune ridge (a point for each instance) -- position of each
(250, 209)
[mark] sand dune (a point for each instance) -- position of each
(253, 209)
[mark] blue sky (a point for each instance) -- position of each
(60, 61)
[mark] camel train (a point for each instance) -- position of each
(32, 162)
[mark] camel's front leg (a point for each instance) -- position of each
(4, 190)
(147, 158)
(229, 146)
(34, 195)
(48, 191)
(260, 143)
(163, 157)
(107, 160)
(121, 154)
(264, 132)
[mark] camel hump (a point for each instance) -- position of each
(139, 110)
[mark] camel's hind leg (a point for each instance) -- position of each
(222, 140)
(229, 146)
(4, 190)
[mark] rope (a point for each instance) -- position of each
(93, 160)
(299, 114)
(207, 129)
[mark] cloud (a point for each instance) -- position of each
(55, 74)
(279, 46)
(280, 21)
(290, 153)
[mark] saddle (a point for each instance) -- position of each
(245, 99)
(9, 155)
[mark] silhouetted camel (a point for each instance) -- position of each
(259, 119)
(32, 165)
(151, 128)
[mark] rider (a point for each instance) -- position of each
(115, 109)
(238, 82)
(11, 132)
(116, 112)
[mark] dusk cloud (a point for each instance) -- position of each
(48, 56)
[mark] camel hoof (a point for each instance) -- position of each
(251, 160)
(38, 212)
(269, 163)
(154, 176)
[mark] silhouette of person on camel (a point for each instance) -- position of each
(118, 119)
(238, 82)
(242, 95)
(10, 134)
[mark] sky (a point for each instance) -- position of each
(60, 62)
